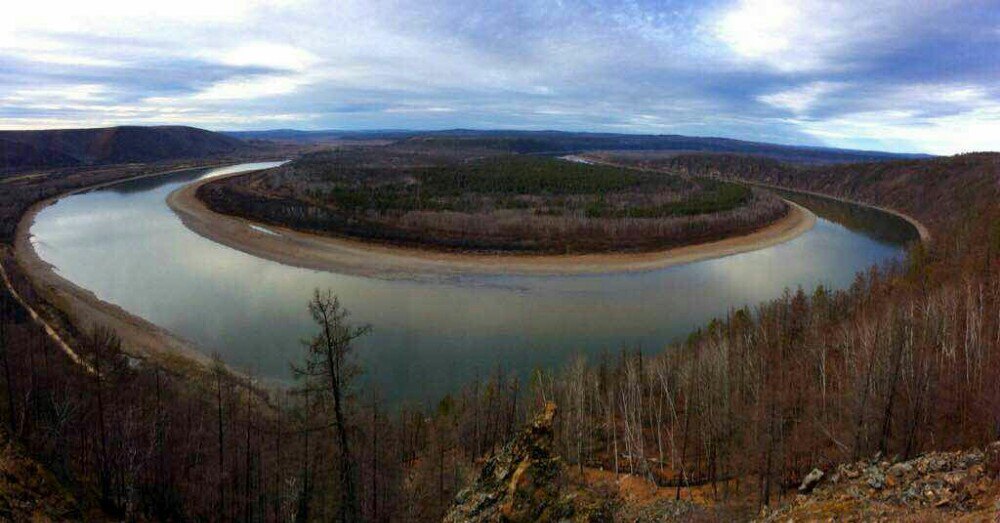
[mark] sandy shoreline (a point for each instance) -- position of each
(312, 251)
(140, 338)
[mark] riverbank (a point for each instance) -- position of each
(140, 338)
(922, 231)
(295, 248)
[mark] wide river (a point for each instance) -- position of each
(432, 335)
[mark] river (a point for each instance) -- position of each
(433, 335)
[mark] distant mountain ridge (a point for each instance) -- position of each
(564, 142)
(21, 150)
(127, 144)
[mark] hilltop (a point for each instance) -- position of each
(956, 486)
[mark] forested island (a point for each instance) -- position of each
(468, 198)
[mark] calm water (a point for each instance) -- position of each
(429, 337)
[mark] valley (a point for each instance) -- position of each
(542, 342)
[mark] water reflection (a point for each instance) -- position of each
(126, 245)
(871, 222)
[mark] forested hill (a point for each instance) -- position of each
(944, 193)
(20, 150)
(561, 142)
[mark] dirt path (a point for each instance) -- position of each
(50, 331)
(312, 251)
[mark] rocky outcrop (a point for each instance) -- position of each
(960, 485)
(810, 481)
(525, 481)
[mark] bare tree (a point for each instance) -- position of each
(105, 354)
(328, 369)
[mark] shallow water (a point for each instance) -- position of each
(429, 336)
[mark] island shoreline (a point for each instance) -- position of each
(312, 251)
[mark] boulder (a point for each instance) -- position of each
(810, 481)
(876, 478)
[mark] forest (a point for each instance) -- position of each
(905, 360)
(498, 202)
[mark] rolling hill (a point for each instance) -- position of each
(21, 150)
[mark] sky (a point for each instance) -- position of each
(907, 76)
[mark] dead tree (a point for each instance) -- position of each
(328, 369)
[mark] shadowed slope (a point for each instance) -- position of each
(75, 147)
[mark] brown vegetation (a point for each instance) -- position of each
(905, 360)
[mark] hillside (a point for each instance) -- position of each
(942, 192)
(526, 481)
(20, 150)
(953, 486)
(900, 367)
(29, 491)
(903, 362)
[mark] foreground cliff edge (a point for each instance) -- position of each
(527, 481)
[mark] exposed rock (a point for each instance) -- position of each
(526, 482)
(670, 510)
(876, 478)
(811, 480)
(900, 470)
(934, 487)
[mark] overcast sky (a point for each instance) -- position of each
(903, 76)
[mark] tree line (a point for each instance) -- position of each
(136, 440)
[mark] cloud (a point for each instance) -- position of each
(45, 94)
(98, 16)
(800, 99)
(969, 131)
(249, 88)
(817, 35)
(270, 55)
(796, 72)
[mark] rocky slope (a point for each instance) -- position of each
(938, 486)
(525, 481)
